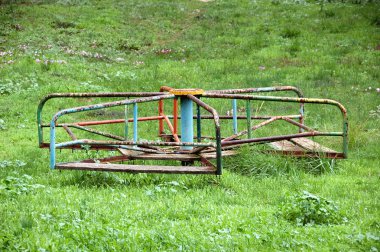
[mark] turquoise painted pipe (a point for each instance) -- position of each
(135, 122)
(187, 132)
(234, 116)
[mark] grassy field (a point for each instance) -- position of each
(329, 50)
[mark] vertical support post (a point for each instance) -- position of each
(302, 107)
(218, 152)
(126, 122)
(134, 122)
(52, 144)
(187, 132)
(234, 116)
(175, 114)
(160, 121)
(248, 110)
(199, 126)
(40, 136)
(345, 137)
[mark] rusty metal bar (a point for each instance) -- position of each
(109, 105)
(217, 131)
(257, 90)
(248, 111)
(279, 99)
(160, 122)
(241, 133)
(71, 134)
(278, 138)
(97, 132)
(149, 118)
(297, 124)
(170, 127)
(122, 143)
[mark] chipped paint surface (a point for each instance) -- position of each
(171, 146)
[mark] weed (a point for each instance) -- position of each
(63, 24)
(2, 125)
(375, 113)
(254, 161)
(9, 87)
(18, 185)
(170, 187)
(290, 33)
(16, 163)
(309, 209)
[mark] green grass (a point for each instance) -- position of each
(328, 51)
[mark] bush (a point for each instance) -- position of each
(308, 209)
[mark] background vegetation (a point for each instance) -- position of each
(329, 49)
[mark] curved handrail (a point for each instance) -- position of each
(217, 131)
(266, 89)
(94, 107)
(81, 95)
(257, 90)
(296, 100)
(280, 99)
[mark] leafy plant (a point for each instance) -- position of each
(9, 87)
(2, 125)
(16, 163)
(375, 113)
(309, 209)
(18, 185)
(166, 188)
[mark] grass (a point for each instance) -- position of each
(328, 51)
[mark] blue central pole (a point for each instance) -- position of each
(187, 132)
(135, 117)
(234, 116)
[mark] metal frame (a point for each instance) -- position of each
(172, 147)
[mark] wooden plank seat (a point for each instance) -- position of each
(303, 147)
(136, 168)
(134, 155)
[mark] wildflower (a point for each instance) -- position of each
(98, 56)
(61, 62)
(164, 51)
(38, 61)
(94, 44)
(85, 54)
(2, 54)
(68, 50)
(378, 90)
(119, 59)
(261, 68)
(137, 63)
(23, 47)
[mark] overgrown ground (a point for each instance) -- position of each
(329, 51)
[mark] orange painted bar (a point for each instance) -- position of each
(175, 114)
(160, 122)
(170, 127)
